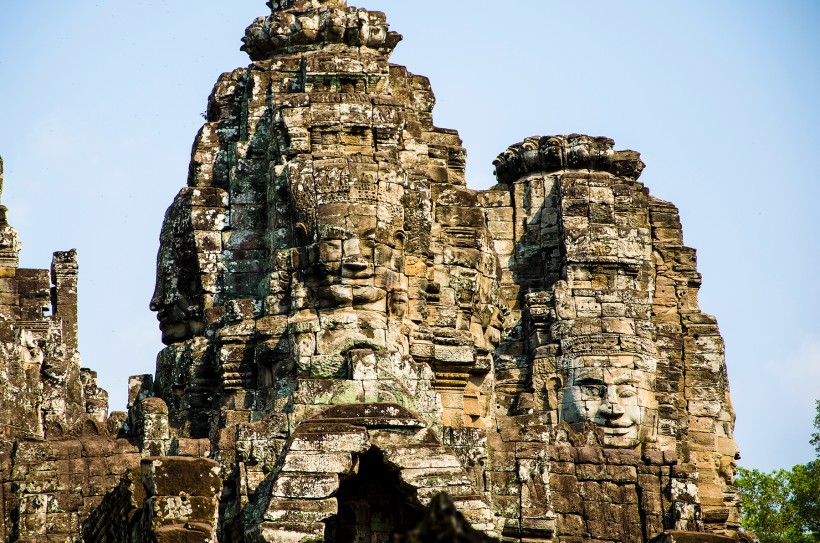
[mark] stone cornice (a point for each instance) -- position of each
(573, 152)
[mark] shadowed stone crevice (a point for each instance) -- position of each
(442, 522)
(373, 505)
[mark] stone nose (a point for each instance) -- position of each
(610, 405)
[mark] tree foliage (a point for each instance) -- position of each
(783, 506)
(815, 437)
(805, 487)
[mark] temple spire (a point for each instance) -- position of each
(9, 242)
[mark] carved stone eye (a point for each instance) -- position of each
(592, 389)
(627, 391)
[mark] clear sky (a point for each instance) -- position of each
(100, 102)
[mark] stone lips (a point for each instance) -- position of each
(347, 325)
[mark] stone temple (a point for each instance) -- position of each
(350, 332)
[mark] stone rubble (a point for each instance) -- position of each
(352, 334)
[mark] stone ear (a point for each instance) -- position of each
(554, 388)
(399, 236)
(301, 233)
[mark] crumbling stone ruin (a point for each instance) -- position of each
(359, 347)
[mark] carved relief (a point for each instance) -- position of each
(336, 303)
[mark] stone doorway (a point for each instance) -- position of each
(373, 505)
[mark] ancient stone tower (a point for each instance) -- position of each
(351, 331)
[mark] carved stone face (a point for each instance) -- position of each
(611, 392)
(353, 273)
(179, 316)
(174, 320)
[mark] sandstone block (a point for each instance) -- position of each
(320, 462)
(306, 486)
(295, 511)
(169, 476)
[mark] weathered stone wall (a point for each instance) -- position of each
(164, 499)
(351, 331)
(60, 452)
(51, 487)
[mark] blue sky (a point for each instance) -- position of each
(100, 102)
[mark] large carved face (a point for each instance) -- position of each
(353, 273)
(360, 251)
(611, 391)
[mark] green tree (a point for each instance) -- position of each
(805, 488)
(815, 437)
(783, 506)
(771, 504)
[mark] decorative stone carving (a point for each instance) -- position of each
(350, 331)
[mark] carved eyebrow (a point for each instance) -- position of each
(589, 381)
(588, 373)
(625, 380)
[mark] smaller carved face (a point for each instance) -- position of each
(178, 311)
(614, 397)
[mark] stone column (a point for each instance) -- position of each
(64, 275)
